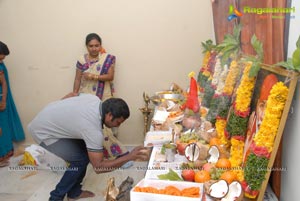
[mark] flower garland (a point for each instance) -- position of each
(254, 172)
(205, 74)
(206, 59)
(269, 126)
(220, 128)
(244, 91)
(222, 79)
(261, 148)
(225, 99)
(238, 119)
(217, 72)
(236, 152)
(231, 78)
(239, 173)
(218, 83)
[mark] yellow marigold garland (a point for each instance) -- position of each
(236, 152)
(231, 78)
(205, 59)
(220, 128)
(269, 126)
(244, 91)
(239, 173)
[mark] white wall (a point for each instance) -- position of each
(291, 139)
(156, 42)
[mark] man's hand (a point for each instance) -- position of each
(139, 152)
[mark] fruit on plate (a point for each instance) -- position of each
(223, 163)
(215, 173)
(188, 175)
(181, 148)
(189, 136)
(215, 141)
(202, 176)
(208, 166)
(229, 176)
(218, 189)
(214, 154)
(235, 192)
(199, 163)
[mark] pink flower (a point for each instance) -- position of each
(259, 151)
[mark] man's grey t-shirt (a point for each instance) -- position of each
(76, 118)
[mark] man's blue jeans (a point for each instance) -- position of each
(75, 153)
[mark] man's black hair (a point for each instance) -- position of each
(4, 49)
(117, 107)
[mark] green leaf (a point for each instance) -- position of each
(171, 175)
(254, 69)
(255, 170)
(236, 31)
(286, 64)
(258, 47)
(296, 57)
(225, 58)
(208, 45)
(297, 68)
(230, 40)
(298, 43)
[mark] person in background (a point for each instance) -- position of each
(94, 75)
(95, 70)
(72, 129)
(10, 125)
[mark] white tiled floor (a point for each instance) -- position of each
(36, 185)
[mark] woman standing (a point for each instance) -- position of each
(10, 125)
(94, 75)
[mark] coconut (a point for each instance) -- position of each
(199, 163)
(214, 154)
(192, 152)
(204, 151)
(218, 189)
(208, 184)
(235, 192)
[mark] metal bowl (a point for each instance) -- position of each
(166, 95)
(171, 96)
(156, 100)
